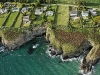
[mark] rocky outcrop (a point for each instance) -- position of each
(23, 38)
(91, 58)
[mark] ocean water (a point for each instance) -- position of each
(39, 62)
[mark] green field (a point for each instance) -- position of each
(19, 21)
(63, 15)
(3, 18)
(11, 19)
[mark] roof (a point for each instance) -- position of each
(3, 10)
(15, 9)
(73, 12)
(24, 9)
(85, 13)
(93, 11)
(49, 13)
(26, 19)
(38, 11)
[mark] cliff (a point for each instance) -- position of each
(91, 58)
(23, 38)
(71, 44)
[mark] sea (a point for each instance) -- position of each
(39, 62)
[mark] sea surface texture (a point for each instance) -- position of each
(19, 62)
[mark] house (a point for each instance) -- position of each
(15, 9)
(49, 13)
(7, 5)
(26, 20)
(3, 10)
(24, 9)
(38, 11)
(93, 11)
(73, 13)
(85, 14)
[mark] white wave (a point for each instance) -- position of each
(71, 59)
(89, 73)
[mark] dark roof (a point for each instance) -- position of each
(73, 12)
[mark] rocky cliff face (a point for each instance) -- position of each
(91, 58)
(86, 45)
(23, 38)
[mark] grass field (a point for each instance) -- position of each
(3, 18)
(63, 15)
(19, 21)
(11, 19)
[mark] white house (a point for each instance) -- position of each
(38, 11)
(93, 11)
(73, 13)
(24, 9)
(3, 10)
(85, 14)
(49, 13)
(15, 9)
(26, 19)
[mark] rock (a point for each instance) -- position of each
(65, 57)
(59, 52)
(52, 52)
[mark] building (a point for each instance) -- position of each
(26, 20)
(93, 11)
(3, 10)
(73, 13)
(24, 9)
(15, 9)
(49, 13)
(38, 11)
(85, 14)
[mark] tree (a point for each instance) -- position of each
(97, 20)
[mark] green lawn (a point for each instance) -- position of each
(38, 20)
(50, 18)
(3, 18)
(11, 19)
(63, 15)
(19, 21)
